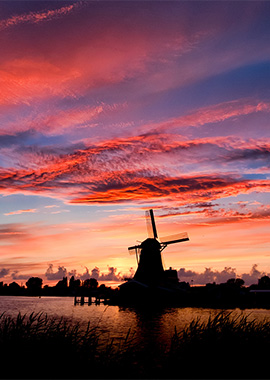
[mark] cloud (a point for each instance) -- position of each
(210, 276)
(37, 17)
(213, 213)
(4, 272)
(51, 122)
(113, 171)
(18, 212)
(25, 80)
(253, 276)
(81, 277)
(135, 188)
(111, 275)
(16, 276)
(196, 278)
(58, 275)
(215, 113)
(13, 231)
(102, 54)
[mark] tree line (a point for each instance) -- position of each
(73, 287)
(34, 287)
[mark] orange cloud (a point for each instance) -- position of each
(114, 171)
(182, 189)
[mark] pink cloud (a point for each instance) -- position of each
(37, 17)
(26, 79)
(18, 212)
(113, 171)
(102, 54)
(55, 121)
(212, 114)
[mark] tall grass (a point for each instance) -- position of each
(225, 346)
(41, 347)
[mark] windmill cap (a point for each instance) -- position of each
(150, 244)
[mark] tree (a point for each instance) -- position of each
(74, 284)
(14, 288)
(62, 284)
(90, 283)
(264, 282)
(34, 285)
(239, 282)
(235, 282)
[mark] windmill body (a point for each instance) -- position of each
(150, 269)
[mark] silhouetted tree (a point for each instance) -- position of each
(239, 282)
(34, 285)
(14, 288)
(235, 282)
(74, 284)
(90, 283)
(264, 282)
(62, 287)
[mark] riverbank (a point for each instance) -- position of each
(227, 295)
(224, 346)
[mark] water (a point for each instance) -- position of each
(153, 326)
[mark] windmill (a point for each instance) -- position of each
(148, 253)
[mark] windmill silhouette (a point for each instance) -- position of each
(150, 269)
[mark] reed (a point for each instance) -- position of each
(37, 346)
(225, 346)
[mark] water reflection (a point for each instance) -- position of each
(152, 326)
(155, 326)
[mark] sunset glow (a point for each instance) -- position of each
(108, 109)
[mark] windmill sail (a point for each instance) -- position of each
(174, 238)
(150, 224)
(133, 249)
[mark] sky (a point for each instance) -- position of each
(110, 108)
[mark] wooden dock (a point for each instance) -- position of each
(89, 300)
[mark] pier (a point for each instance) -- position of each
(89, 300)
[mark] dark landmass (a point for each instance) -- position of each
(231, 294)
(226, 346)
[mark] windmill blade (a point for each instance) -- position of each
(150, 224)
(134, 249)
(174, 238)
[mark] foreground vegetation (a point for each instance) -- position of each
(225, 346)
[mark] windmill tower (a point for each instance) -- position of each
(150, 268)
